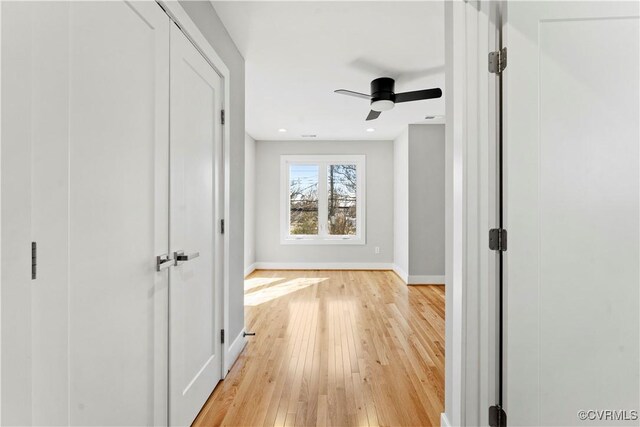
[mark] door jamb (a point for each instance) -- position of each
(470, 385)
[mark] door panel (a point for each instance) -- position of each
(195, 356)
(572, 211)
(50, 213)
(16, 213)
(117, 209)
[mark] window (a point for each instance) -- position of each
(323, 199)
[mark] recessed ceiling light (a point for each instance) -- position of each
(371, 130)
(282, 130)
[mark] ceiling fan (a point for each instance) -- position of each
(383, 97)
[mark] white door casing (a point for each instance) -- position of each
(195, 356)
(572, 211)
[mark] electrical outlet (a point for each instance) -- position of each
(377, 249)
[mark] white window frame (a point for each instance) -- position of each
(322, 238)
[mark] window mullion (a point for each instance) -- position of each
(361, 213)
(287, 196)
(323, 208)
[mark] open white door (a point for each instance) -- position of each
(194, 338)
(572, 162)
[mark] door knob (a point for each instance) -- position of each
(181, 256)
(163, 261)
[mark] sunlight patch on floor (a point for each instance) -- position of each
(269, 293)
(258, 282)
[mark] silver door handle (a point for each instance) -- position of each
(181, 256)
(163, 261)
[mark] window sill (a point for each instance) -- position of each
(322, 242)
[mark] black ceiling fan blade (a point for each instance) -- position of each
(417, 95)
(352, 93)
(373, 115)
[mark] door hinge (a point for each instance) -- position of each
(222, 336)
(497, 416)
(498, 239)
(498, 61)
(34, 260)
(222, 116)
(222, 226)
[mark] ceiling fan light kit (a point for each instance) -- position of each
(382, 105)
(384, 98)
(382, 94)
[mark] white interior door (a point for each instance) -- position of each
(572, 212)
(85, 175)
(195, 349)
(117, 210)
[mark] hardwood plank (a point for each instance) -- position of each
(335, 348)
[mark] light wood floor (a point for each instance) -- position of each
(335, 348)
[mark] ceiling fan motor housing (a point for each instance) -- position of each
(382, 94)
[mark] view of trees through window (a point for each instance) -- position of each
(303, 196)
(341, 194)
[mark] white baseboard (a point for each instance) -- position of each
(444, 421)
(234, 350)
(426, 280)
(250, 269)
(416, 279)
(323, 266)
(401, 273)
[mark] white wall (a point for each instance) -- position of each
(419, 204)
(426, 203)
(205, 17)
(249, 203)
(401, 205)
(379, 206)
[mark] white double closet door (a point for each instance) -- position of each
(109, 157)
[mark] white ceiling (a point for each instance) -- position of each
(298, 52)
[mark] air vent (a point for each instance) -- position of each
(430, 117)
(309, 135)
